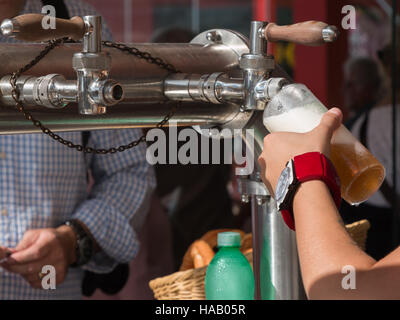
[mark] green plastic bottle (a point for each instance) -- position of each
(229, 275)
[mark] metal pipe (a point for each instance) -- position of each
(118, 117)
(275, 249)
(51, 91)
(92, 37)
(256, 227)
(188, 58)
(143, 91)
(177, 87)
(66, 91)
(258, 44)
(280, 270)
(214, 88)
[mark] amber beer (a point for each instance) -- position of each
(296, 109)
(360, 173)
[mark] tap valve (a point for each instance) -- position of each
(256, 66)
(95, 90)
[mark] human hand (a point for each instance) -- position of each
(280, 147)
(40, 247)
(4, 253)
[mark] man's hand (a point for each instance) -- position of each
(40, 247)
(4, 253)
(279, 148)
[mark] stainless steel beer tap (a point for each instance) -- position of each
(256, 66)
(94, 90)
(92, 66)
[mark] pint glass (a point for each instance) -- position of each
(296, 109)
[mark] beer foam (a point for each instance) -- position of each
(300, 119)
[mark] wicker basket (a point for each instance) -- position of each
(358, 231)
(189, 284)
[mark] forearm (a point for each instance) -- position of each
(119, 200)
(324, 245)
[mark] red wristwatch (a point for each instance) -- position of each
(303, 168)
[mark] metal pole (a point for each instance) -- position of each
(117, 117)
(195, 10)
(128, 27)
(275, 259)
(280, 276)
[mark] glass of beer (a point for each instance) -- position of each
(296, 109)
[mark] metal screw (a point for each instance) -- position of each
(245, 198)
(260, 200)
(261, 32)
(330, 34)
(213, 36)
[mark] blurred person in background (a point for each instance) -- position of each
(373, 127)
(364, 87)
(45, 204)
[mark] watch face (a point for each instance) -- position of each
(282, 188)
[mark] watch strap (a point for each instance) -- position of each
(81, 236)
(314, 166)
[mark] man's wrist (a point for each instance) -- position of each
(68, 241)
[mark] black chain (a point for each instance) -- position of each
(54, 43)
(142, 55)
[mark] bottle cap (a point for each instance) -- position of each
(229, 239)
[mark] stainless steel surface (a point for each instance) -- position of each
(44, 93)
(90, 67)
(24, 85)
(251, 78)
(256, 226)
(280, 270)
(233, 40)
(245, 198)
(330, 34)
(105, 92)
(143, 91)
(9, 27)
(275, 252)
(260, 200)
(256, 66)
(141, 81)
(214, 36)
(265, 90)
(92, 37)
(51, 91)
(95, 90)
(258, 44)
(112, 91)
(250, 187)
(213, 88)
(229, 89)
(118, 117)
(188, 58)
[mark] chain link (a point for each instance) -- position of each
(120, 46)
